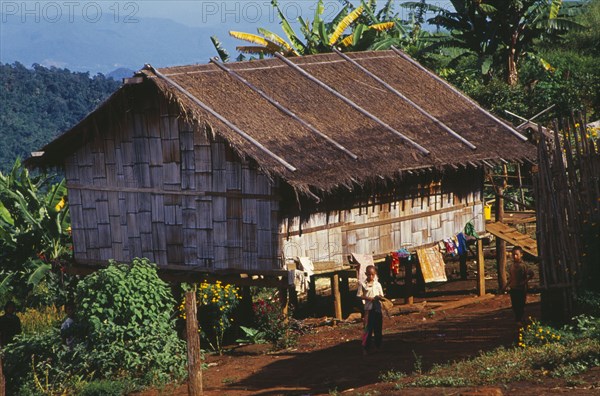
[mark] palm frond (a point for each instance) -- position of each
(344, 23)
(222, 52)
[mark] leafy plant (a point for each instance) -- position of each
(538, 334)
(104, 388)
(251, 336)
(125, 316)
(391, 376)
(276, 326)
(34, 237)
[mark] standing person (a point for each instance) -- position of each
(10, 324)
(67, 328)
(371, 293)
(518, 279)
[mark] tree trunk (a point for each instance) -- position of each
(512, 76)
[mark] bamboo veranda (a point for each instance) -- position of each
(567, 190)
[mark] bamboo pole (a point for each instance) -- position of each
(500, 243)
(480, 269)
(193, 345)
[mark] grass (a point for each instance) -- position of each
(502, 365)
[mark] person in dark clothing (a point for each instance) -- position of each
(10, 324)
(518, 281)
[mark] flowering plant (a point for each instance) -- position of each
(216, 303)
(537, 334)
(271, 320)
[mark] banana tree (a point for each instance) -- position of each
(520, 23)
(34, 227)
(319, 36)
(498, 32)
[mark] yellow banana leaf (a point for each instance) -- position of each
(344, 23)
(380, 27)
(252, 38)
(276, 39)
(347, 41)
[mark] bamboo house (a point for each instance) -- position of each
(238, 166)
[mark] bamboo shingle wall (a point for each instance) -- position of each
(149, 184)
(422, 219)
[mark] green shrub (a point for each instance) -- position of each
(40, 363)
(125, 316)
(104, 388)
(276, 326)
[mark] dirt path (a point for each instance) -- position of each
(329, 359)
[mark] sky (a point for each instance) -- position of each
(51, 32)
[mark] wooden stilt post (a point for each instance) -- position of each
(501, 244)
(337, 297)
(193, 345)
(312, 290)
(480, 269)
(408, 283)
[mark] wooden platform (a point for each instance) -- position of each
(512, 236)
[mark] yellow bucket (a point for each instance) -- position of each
(487, 212)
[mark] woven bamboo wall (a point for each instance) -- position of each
(150, 185)
(380, 229)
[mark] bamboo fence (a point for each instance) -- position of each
(567, 191)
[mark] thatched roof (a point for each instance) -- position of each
(319, 140)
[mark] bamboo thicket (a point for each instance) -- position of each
(567, 190)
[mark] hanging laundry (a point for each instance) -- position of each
(470, 229)
(403, 253)
(451, 247)
(462, 243)
(395, 263)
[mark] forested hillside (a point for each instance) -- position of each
(40, 103)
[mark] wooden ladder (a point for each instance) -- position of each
(512, 236)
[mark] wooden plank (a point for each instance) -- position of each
(512, 236)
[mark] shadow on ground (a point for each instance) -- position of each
(409, 345)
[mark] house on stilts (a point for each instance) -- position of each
(232, 168)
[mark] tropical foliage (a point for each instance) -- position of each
(500, 33)
(368, 28)
(34, 236)
(124, 332)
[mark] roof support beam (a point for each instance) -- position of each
(407, 100)
(456, 91)
(283, 109)
(224, 120)
(351, 103)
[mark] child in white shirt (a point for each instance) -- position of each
(371, 293)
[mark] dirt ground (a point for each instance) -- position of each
(445, 324)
